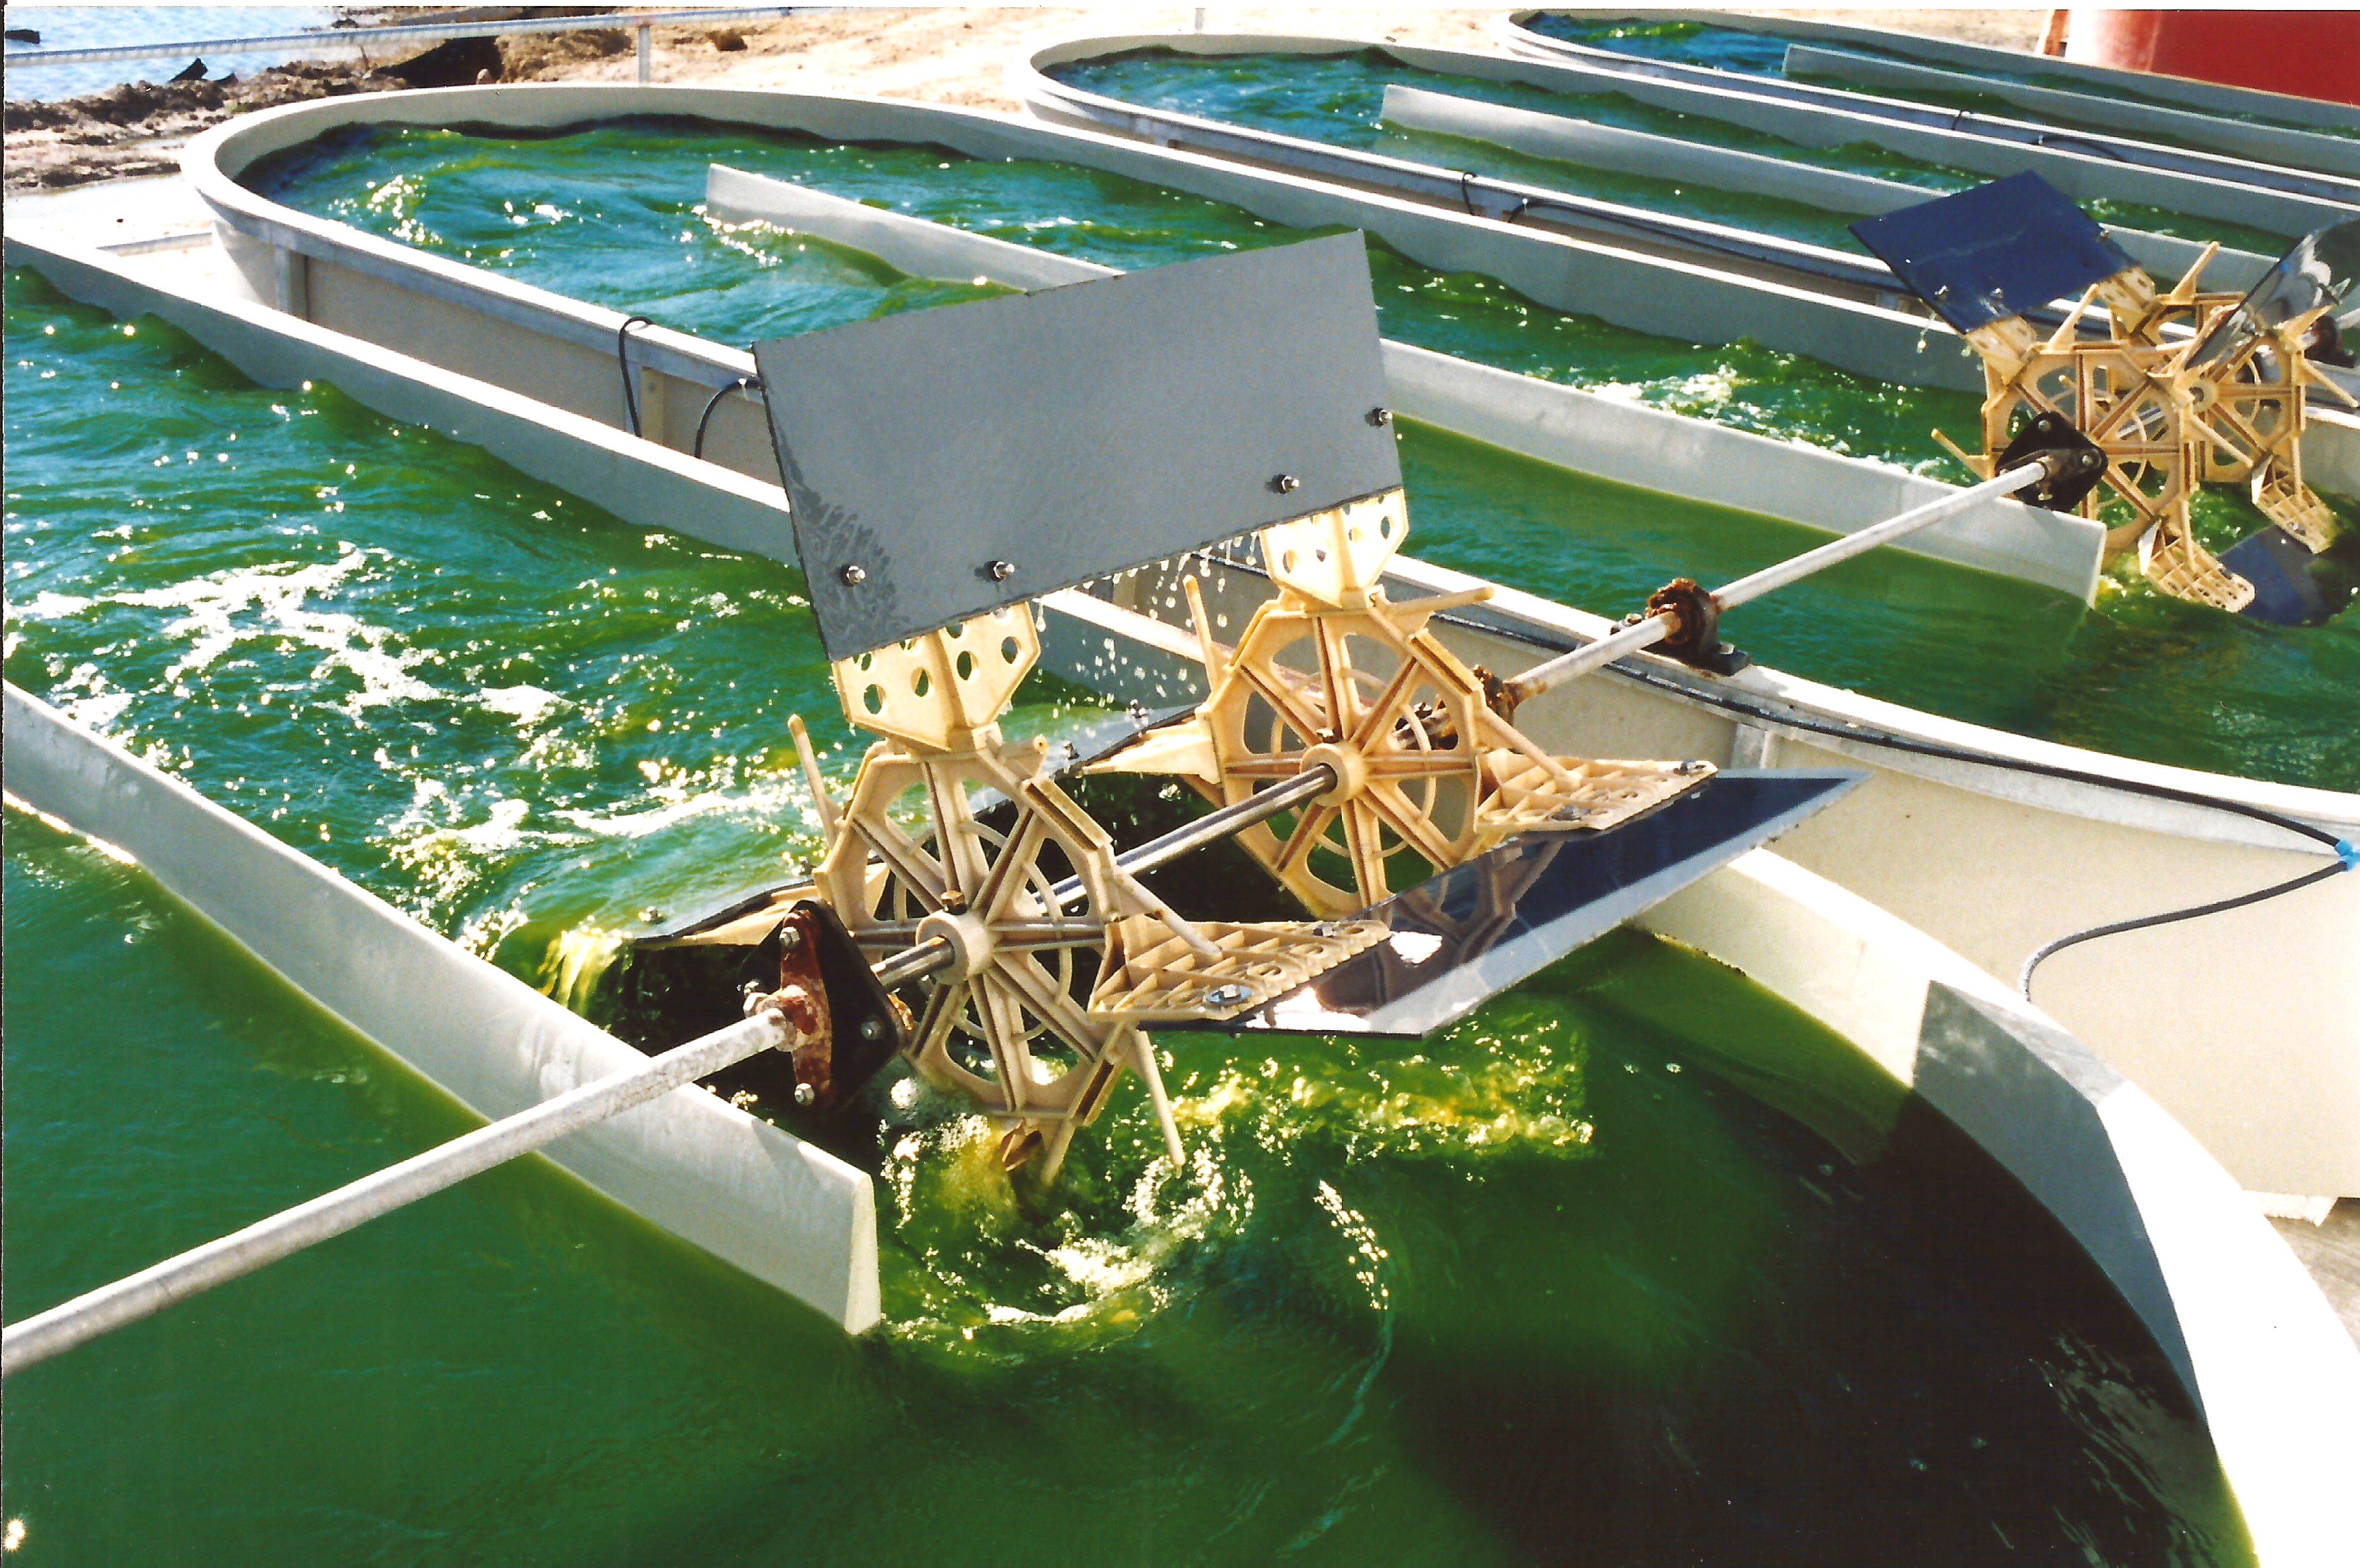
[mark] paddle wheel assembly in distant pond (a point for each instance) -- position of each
(2181, 388)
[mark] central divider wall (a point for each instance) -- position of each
(1515, 29)
(2085, 165)
(1570, 139)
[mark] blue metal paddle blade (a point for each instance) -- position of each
(1996, 251)
(1472, 932)
(2292, 587)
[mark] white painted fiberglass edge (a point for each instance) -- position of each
(792, 1215)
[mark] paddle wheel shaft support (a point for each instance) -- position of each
(933, 956)
(773, 1024)
(2066, 466)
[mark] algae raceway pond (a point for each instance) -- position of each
(1574, 1281)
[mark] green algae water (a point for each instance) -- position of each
(1339, 98)
(1764, 54)
(611, 214)
(1547, 1287)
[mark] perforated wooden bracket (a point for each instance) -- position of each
(2130, 299)
(1525, 797)
(1339, 556)
(1150, 976)
(936, 689)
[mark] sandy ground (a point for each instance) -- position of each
(944, 55)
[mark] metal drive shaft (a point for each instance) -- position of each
(1653, 629)
(217, 1262)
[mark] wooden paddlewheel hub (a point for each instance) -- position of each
(1329, 672)
(2166, 426)
(1058, 954)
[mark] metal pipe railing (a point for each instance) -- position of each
(217, 1262)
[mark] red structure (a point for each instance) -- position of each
(2314, 54)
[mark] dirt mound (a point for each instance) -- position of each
(539, 57)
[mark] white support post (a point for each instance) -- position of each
(647, 48)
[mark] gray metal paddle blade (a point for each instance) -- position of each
(1472, 932)
(1996, 251)
(943, 462)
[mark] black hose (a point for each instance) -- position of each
(2024, 979)
(743, 384)
(623, 363)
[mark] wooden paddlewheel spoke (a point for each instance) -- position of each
(1415, 829)
(1280, 695)
(1309, 828)
(1329, 673)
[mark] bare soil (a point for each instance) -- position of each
(946, 55)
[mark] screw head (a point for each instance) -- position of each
(1002, 570)
(871, 1029)
(789, 939)
(650, 915)
(1380, 416)
(853, 575)
(805, 1094)
(1228, 993)
(1285, 484)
